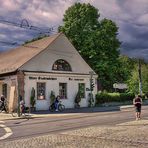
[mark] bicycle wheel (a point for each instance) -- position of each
(61, 107)
(52, 107)
(26, 113)
(4, 108)
(1, 109)
(14, 113)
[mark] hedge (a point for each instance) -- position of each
(113, 97)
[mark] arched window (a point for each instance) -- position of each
(61, 65)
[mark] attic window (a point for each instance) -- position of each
(61, 65)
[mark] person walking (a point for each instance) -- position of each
(137, 102)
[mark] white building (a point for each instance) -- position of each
(49, 64)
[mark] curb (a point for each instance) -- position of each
(126, 107)
(32, 116)
(40, 116)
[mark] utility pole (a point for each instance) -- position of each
(91, 85)
(140, 78)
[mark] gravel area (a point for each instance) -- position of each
(130, 135)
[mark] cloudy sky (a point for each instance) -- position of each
(131, 16)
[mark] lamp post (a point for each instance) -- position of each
(140, 78)
(91, 84)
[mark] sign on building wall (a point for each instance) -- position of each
(42, 78)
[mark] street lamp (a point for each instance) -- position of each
(91, 84)
(140, 78)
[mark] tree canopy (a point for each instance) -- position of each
(133, 80)
(95, 39)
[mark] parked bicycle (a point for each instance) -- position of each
(61, 107)
(24, 113)
(3, 106)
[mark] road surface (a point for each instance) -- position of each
(24, 128)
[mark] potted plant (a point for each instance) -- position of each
(32, 99)
(90, 100)
(77, 100)
(52, 97)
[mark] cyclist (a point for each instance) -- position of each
(22, 105)
(56, 102)
(3, 107)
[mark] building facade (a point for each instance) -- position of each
(51, 64)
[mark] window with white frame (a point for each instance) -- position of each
(41, 90)
(81, 88)
(63, 90)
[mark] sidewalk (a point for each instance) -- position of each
(67, 112)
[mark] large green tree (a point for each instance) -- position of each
(124, 70)
(96, 40)
(133, 81)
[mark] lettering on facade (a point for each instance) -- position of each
(33, 78)
(87, 89)
(76, 79)
(42, 78)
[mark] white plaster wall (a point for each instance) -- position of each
(61, 48)
(53, 85)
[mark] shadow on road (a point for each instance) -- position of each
(82, 110)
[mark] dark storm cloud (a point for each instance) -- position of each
(133, 28)
(131, 16)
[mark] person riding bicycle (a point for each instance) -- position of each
(56, 102)
(22, 105)
(2, 107)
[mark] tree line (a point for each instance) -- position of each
(96, 41)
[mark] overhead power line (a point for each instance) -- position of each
(8, 43)
(25, 24)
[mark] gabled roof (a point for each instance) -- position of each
(11, 60)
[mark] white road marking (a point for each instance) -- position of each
(7, 129)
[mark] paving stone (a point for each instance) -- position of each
(129, 135)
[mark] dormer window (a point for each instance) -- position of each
(61, 65)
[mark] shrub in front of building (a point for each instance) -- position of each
(32, 97)
(113, 97)
(77, 100)
(52, 97)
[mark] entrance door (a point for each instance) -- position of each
(4, 90)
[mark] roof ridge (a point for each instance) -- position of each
(43, 38)
(19, 56)
(56, 36)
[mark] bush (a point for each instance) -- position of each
(77, 100)
(113, 97)
(32, 97)
(146, 94)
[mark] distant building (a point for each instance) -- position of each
(49, 64)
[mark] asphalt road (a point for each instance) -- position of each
(23, 128)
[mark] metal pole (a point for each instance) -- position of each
(140, 78)
(18, 83)
(91, 76)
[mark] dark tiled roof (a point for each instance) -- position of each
(11, 60)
